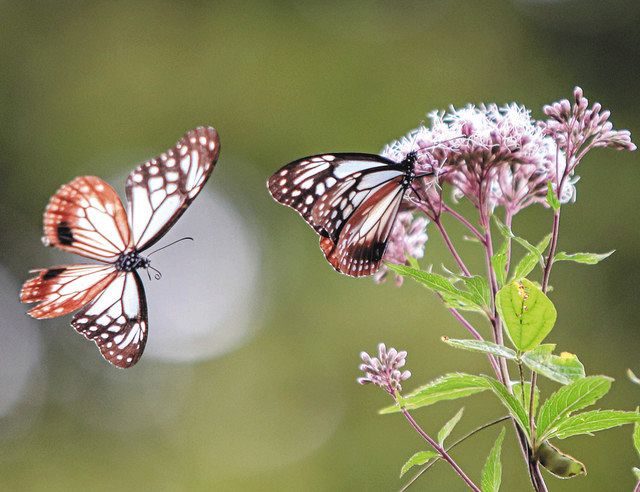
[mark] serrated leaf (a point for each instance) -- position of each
(564, 368)
(552, 198)
(590, 422)
(420, 458)
(448, 387)
(448, 427)
(558, 463)
(517, 392)
(492, 471)
(440, 284)
(479, 288)
(482, 346)
(585, 258)
(531, 259)
(515, 407)
(571, 398)
(528, 314)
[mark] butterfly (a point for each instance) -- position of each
(351, 200)
(86, 217)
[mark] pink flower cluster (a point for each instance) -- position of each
(384, 370)
(496, 156)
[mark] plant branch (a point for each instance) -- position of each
(460, 218)
(459, 441)
(474, 333)
(440, 450)
(452, 249)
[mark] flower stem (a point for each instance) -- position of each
(474, 333)
(537, 480)
(452, 248)
(459, 441)
(464, 222)
(440, 450)
(637, 487)
(552, 250)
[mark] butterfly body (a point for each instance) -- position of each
(87, 217)
(351, 200)
(128, 262)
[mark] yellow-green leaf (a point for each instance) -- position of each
(528, 314)
(492, 471)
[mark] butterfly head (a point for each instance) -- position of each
(128, 262)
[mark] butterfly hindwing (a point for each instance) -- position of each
(86, 217)
(63, 289)
(159, 190)
(363, 239)
(117, 320)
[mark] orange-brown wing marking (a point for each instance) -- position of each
(64, 289)
(86, 217)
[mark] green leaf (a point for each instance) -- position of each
(504, 230)
(531, 259)
(499, 263)
(586, 258)
(511, 403)
(589, 422)
(564, 368)
(453, 296)
(552, 198)
(634, 379)
(479, 288)
(636, 436)
(571, 398)
(420, 458)
(448, 427)
(527, 312)
(481, 346)
(517, 392)
(558, 463)
(636, 472)
(492, 471)
(448, 387)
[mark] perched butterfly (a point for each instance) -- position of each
(350, 200)
(86, 217)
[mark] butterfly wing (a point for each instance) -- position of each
(326, 189)
(63, 289)
(86, 217)
(363, 239)
(160, 190)
(117, 320)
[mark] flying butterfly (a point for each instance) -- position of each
(87, 217)
(351, 200)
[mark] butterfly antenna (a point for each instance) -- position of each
(171, 244)
(157, 275)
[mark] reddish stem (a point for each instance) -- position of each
(440, 450)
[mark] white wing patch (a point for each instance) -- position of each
(117, 320)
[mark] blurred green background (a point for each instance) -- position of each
(96, 87)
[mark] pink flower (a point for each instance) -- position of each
(384, 370)
(407, 240)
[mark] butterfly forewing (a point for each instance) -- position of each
(63, 289)
(86, 217)
(117, 320)
(159, 190)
